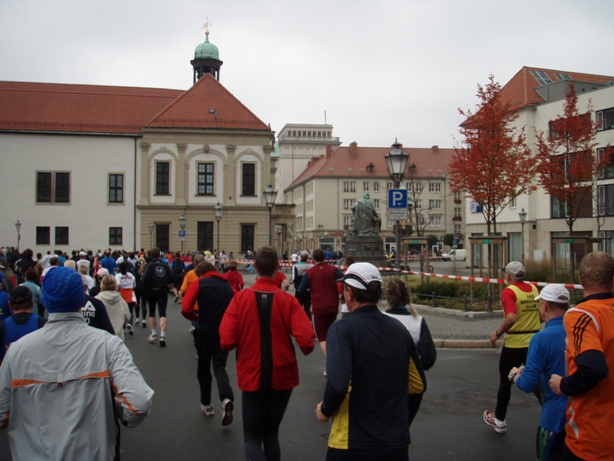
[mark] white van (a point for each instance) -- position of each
(455, 255)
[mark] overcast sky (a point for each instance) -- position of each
(380, 69)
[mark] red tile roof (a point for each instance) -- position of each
(430, 163)
(520, 90)
(208, 105)
(52, 107)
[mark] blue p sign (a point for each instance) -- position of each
(397, 198)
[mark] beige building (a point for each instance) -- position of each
(94, 167)
(325, 192)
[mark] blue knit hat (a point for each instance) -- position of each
(62, 290)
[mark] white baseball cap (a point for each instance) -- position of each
(555, 293)
(359, 275)
(515, 269)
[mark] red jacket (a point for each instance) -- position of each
(241, 328)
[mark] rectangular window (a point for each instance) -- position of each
(52, 187)
(204, 235)
(347, 221)
(376, 186)
(419, 204)
(419, 187)
(608, 170)
(434, 204)
(457, 229)
(116, 188)
(247, 237)
(43, 236)
(349, 186)
(365, 186)
(62, 187)
(163, 178)
(205, 178)
(376, 204)
(605, 119)
(61, 235)
(435, 221)
(389, 185)
(457, 212)
(513, 203)
(116, 236)
(163, 237)
(434, 187)
(457, 197)
(249, 179)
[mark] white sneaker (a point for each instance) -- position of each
(162, 341)
(227, 407)
(129, 329)
(491, 420)
(207, 410)
(152, 338)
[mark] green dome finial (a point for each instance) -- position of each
(207, 50)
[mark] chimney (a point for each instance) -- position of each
(329, 150)
(435, 148)
(354, 150)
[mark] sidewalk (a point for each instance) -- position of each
(449, 328)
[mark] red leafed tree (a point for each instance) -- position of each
(493, 163)
(567, 161)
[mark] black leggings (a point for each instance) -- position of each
(510, 358)
(262, 414)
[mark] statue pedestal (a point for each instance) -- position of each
(367, 250)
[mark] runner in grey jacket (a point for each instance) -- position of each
(65, 404)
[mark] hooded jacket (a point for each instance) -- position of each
(65, 403)
(117, 309)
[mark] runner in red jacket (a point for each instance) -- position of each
(260, 322)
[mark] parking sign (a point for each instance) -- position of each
(397, 198)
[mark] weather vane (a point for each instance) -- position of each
(206, 26)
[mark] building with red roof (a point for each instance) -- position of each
(92, 166)
(538, 96)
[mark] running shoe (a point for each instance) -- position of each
(227, 407)
(489, 418)
(162, 341)
(137, 323)
(207, 409)
(152, 338)
(129, 329)
(144, 324)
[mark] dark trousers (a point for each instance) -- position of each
(209, 351)
(262, 414)
(509, 359)
(305, 302)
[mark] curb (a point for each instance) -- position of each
(465, 344)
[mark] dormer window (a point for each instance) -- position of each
(370, 167)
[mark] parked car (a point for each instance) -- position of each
(455, 255)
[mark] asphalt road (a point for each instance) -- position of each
(461, 385)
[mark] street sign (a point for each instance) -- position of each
(397, 198)
(398, 215)
(182, 234)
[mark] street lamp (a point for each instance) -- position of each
(18, 227)
(182, 220)
(523, 217)
(396, 161)
(269, 196)
(150, 226)
(219, 211)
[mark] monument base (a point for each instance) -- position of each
(367, 250)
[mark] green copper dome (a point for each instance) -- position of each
(207, 50)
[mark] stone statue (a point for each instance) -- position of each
(367, 222)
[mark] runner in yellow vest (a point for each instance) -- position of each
(521, 322)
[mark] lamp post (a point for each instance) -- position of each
(182, 220)
(269, 196)
(150, 226)
(219, 211)
(18, 227)
(396, 161)
(523, 217)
